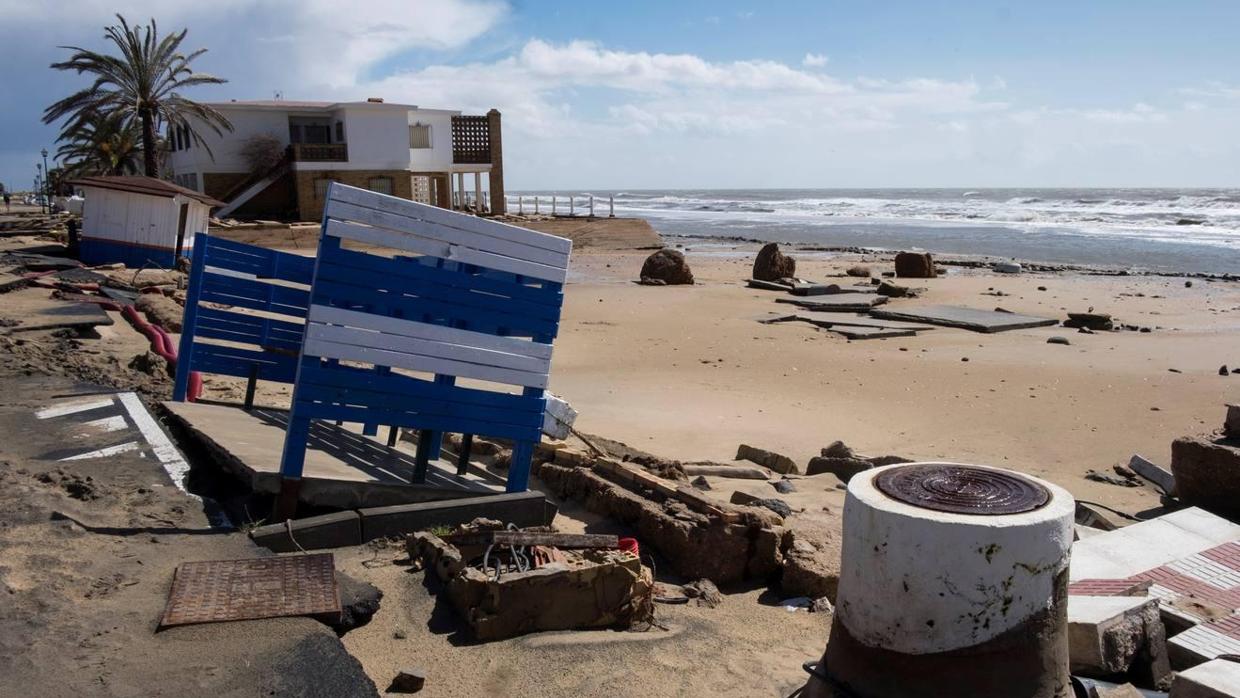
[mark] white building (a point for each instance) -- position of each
(435, 156)
(139, 220)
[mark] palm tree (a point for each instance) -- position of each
(142, 85)
(101, 145)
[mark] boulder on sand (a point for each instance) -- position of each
(915, 265)
(773, 265)
(666, 267)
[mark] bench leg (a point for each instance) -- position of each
(421, 458)
(519, 468)
(250, 387)
(292, 461)
(393, 436)
(462, 458)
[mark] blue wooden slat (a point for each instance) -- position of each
(469, 300)
(249, 329)
(345, 377)
(232, 361)
(450, 274)
(180, 385)
(396, 305)
(255, 295)
(261, 261)
(310, 410)
(382, 400)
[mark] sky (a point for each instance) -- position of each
(604, 96)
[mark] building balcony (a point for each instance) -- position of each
(319, 152)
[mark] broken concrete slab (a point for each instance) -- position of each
(851, 302)
(336, 530)
(768, 459)
(519, 508)
(809, 571)
(775, 504)
(1093, 321)
(1112, 635)
(806, 288)
(1207, 474)
(1205, 642)
(768, 285)
(1154, 473)
(559, 417)
(1218, 678)
(1130, 550)
(586, 589)
(77, 316)
(974, 319)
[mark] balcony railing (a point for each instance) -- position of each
(319, 152)
(471, 140)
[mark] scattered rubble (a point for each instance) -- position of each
(666, 267)
(705, 592)
(773, 265)
(1092, 321)
(915, 265)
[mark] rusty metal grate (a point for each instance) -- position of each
(962, 489)
(220, 590)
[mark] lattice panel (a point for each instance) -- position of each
(471, 140)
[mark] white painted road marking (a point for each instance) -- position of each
(113, 423)
(72, 408)
(165, 452)
(104, 452)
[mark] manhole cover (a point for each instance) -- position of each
(961, 489)
(219, 590)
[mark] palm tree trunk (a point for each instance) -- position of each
(149, 156)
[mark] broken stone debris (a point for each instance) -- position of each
(768, 459)
(915, 265)
(1231, 426)
(775, 504)
(891, 290)
(773, 265)
(1117, 635)
(409, 680)
(1154, 473)
(843, 468)
(1126, 690)
(705, 592)
(666, 267)
(558, 418)
(1091, 321)
(592, 588)
(860, 271)
(359, 602)
(1207, 474)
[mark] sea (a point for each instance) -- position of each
(1166, 230)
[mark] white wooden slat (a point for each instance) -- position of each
(422, 330)
(423, 347)
(386, 238)
(451, 219)
(454, 236)
(413, 362)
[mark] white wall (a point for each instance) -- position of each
(226, 149)
(139, 219)
(437, 158)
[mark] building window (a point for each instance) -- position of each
(382, 185)
(320, 187)
(420, 136)
(340, 132)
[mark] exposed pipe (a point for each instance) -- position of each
(161, 344)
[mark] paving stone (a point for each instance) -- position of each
(1109, 635)
(1219, 678)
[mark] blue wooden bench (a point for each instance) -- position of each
(247, 345)
(452, 334)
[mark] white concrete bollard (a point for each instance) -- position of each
(953, 581)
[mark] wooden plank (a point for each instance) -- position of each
(381, 357)
(412, 420)
(420, 330)
(406, 228)
(450, 219)
(686, 495)
(427, 348)
(378, 398)
(524, 538)
(965, 318)
(385, 238)
(346, 377)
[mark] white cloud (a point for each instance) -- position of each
(814, 60)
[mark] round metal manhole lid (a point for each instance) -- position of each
(962, 489)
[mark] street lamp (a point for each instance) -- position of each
(47, 182)
(38, 183)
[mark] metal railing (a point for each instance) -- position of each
(554, 204)
(320, 152)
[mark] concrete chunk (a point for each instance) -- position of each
(1207, 474)
(1110, 635)
(1231, 427)
(1130, 550)
(520, 508)
(843, 468)
(313, 533)
(768, 459)
(1219, 678)
(1158, 475)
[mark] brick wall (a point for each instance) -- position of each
(310, 206)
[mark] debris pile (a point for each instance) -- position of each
(510, 582)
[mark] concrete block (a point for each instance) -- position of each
(1231, 426)
(520, 508)
(768, 459)
(1158, 475)
(1109, 635)
(336, 530)
(1122, 691)
(1207, 474)
(558, 418)
(843, 468)
(1200, 644)
(1215, 679)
